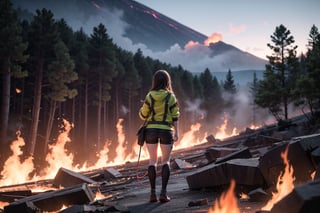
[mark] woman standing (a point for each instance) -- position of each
(160, 110)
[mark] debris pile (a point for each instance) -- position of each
(255, 160)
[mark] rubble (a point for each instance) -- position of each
(198, 176)
(304, 198)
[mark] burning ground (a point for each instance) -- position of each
(259, 169)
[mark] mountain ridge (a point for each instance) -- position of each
(133, 25)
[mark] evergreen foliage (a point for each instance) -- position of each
(12, 54)
(275, 90)
(93, 83)
(307, 92)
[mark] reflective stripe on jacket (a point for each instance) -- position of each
(154, 115)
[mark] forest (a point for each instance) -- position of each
(51, 73)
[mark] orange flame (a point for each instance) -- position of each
(284, 184)
(214, 38)
(99, 196)
(189, 139)
(3, 204)
(58, 156)
(222, 131)
(14, 170)
(312, 175)
(227, 203)
(191, 44)
(18, 91)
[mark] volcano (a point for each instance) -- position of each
(133, 25)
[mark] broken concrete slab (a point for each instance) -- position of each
(242, 153)
(303, 198)
(309, 142)
(208, 176)
(211, 139)
(66, 178)
(271, 164)
(10, 196)
(245, 172)
(212, 153)
(26, 207)
(54, 200)
(111, 173)
(180, 164)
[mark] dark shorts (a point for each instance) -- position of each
(163, 136)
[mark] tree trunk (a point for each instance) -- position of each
(73, 115)
(5, 105)
(85, 134)
(99, 115)
(53, 106)
(36, 109)
(104, 120)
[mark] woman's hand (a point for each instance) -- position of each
(175, 137)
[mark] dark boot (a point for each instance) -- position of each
(152, 179)
(165, 178)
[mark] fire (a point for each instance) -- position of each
(284, 184)
(188, 139)
(244, 196)
(191, 44)
(14, 170)
(58, 156)
(222, 131)
(17, 169)
(227, 203)
(3, 204)
(121, 148)
(99, 196)
(312, 175)
(214, 38)
(18, 91)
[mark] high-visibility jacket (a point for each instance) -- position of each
(160, 109)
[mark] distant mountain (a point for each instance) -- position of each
(133, 25)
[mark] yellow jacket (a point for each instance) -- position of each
(155, 112)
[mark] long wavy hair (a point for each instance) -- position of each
(161, 80)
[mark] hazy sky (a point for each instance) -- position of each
(246, 24)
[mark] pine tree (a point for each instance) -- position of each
(307, 92)
(228, 84)
(212, 101)
(60, 74)
(12, 54)
(102, 63)
(274, 92)
(43, 36)
(79, 53)
(144, 71)
(253, 90)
